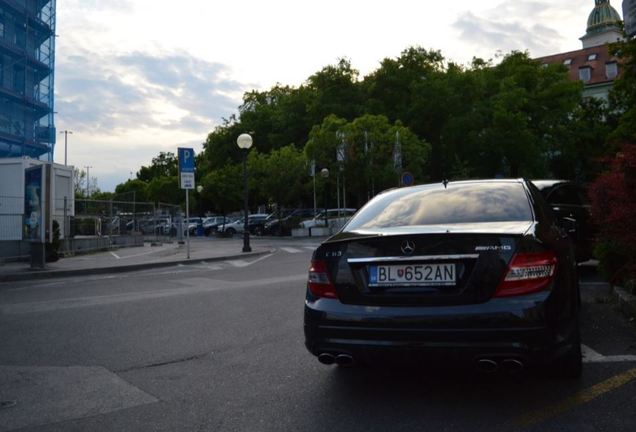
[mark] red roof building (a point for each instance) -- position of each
(593, 64)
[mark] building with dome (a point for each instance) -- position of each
(593, 64)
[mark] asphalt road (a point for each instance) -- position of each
(219, 347)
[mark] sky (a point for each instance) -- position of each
(137, 77)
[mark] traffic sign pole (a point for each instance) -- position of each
(187, 222)
(186, 178)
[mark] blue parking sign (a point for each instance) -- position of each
(186, 160)
(186, 167)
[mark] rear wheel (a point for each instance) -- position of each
(570, 365)
(230, 231)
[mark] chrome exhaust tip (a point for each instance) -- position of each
(326, 358)
(344, 360)
(512, 365)
(487, 365)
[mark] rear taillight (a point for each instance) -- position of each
(319, 283)
(528, 273)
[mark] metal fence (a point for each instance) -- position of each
(11, 217)
(83, 217)
(157, 222)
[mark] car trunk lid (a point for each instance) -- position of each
(433, 265)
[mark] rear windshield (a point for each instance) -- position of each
(433, 205)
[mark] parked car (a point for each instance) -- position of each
(256, 224)
(335, 217)
(211, 224)
(159, 225)
(473, 273)
(283, 226)
(191, 225)
(568, 199)
(238, 225)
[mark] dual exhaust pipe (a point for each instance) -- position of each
(508, 365)
(486, 365)
(339, 359)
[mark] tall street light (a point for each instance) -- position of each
(324, 173)
(88, 181)
(66, 134)
(244, 141)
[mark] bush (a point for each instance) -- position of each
(613, 200)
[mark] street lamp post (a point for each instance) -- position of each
(88, 181)
(324, 173)
(200, 221)
(244, 141)
(66, 134)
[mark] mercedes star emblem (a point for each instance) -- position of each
(408, 247)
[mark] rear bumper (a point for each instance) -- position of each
(519, 328)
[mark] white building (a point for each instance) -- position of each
(593, 64)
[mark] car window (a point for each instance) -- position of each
(568, 195)
(432, 205)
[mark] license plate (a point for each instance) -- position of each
(412, 275)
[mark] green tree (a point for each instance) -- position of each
(581, 143)
(277, 117)
(280, 177)
(390, 88)
(334, 90)
(166, 190)
(513, 118)
(132, 189)
(223, 188)
(164, 165)
(623, 94)
(220, 146)
(369, 144)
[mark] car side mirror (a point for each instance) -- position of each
(569, 225)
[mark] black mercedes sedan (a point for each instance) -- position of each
(473, 273)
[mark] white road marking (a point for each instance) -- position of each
(153, 251)
(238, 263)
(591, 356)
(213, 267)
(242, 263)
(311, 248)
(115, 255)
(290, 250)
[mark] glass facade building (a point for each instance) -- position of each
(27, 64)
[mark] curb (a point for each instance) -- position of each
(44, 274)
(626, 301)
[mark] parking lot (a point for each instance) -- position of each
(219, 346)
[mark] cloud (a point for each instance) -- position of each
(99, 5)
(518, 25)
(111, 94)
(126, 108)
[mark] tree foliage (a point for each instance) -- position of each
(623, 95)
(134, 189)
(482, 120)
(613, 198)
(164, 165)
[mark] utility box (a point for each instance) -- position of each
(59, 195)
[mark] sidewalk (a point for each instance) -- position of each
(133, 259)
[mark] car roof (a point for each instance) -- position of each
(441, 185)
(546, 184)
